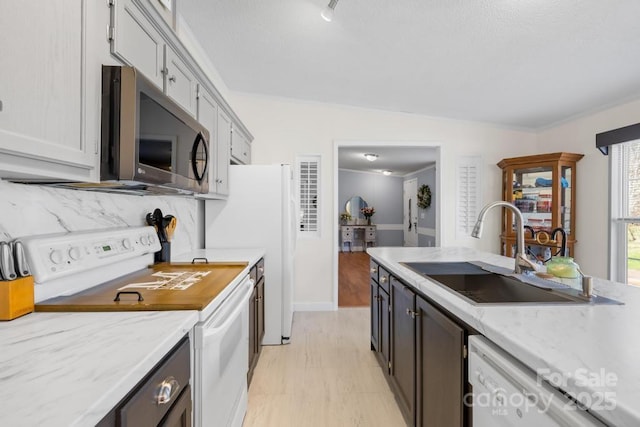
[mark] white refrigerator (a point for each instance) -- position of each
(261, 212)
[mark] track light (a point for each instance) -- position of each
(371, 157)
(327, 13)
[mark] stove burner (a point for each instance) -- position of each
(175, 281)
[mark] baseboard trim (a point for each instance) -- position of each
(313, 306)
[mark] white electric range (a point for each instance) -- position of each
(85, 271)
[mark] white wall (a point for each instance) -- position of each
(592, 197)
(285, 128)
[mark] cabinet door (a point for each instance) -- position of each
(180, 413)
(208, 117)
(403, 373)
(42, 132)
(375, 314)
(136, 42)
(385, 324)
(260, 314)
(223, 152)
(440, 376)
(240, 147)
(180, 83)
(252, 332)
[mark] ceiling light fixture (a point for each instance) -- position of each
(387, 172)
(327, 13)
(371, 157)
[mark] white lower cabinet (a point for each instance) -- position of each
(44, 67)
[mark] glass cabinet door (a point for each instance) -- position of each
(542, 187)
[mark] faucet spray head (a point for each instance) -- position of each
(477, 229)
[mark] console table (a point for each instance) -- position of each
(364, 234)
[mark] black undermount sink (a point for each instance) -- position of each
(480, 286)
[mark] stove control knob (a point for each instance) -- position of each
(144, 240)
(75, 253)
(56, 256)
(152, 239)
(126, 243)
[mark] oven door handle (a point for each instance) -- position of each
(230, 318)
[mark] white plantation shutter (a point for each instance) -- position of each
(308, 168)
(468, 193)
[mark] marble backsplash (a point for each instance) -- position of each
(33, 209)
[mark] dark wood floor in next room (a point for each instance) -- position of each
(353, 279)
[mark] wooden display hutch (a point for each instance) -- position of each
(543, 188)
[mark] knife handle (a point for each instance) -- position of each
(20, 258)
(6, 262)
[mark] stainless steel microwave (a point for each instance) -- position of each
(149, 143)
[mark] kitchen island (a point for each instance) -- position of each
(556, 340)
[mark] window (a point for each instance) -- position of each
(625, 212)
(308, 168)
(468, 195)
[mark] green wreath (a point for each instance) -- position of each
(424, 196)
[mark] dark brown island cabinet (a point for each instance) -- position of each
(422, 351)
(256, 316)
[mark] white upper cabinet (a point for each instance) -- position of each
(180, 83)
(222, 152)
(240, 147)
(42, 126)
(135, 41)
(50, 85)
(209, 115)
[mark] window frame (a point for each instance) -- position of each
(619, 216)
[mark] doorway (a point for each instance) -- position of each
(380, 183)
(410, 214)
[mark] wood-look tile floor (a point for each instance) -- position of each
(326, 377)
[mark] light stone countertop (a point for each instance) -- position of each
(71, 369)
(564, 341)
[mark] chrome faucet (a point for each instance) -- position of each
(522, 262)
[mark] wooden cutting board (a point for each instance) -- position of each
(166, 286)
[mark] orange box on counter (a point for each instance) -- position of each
(16, 298)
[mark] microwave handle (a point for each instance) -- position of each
(194, 157)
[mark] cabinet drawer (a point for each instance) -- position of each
(172, 376)
(373, 270)
(347, 236)
(384, 277)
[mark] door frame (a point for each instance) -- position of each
(413, 209)
(337, 144)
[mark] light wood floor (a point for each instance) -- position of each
(326, 377)
(353, 279)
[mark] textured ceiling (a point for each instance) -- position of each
(399, 160)
(521, 63)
